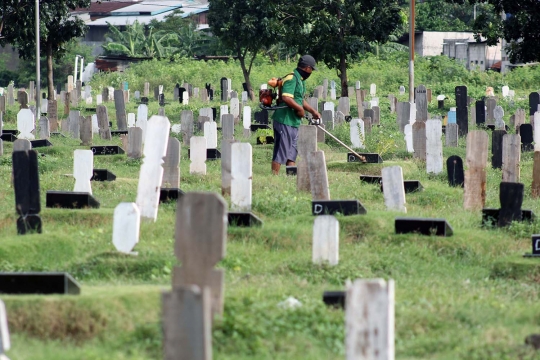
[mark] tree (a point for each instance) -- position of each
(342, 30)
(444, 16)
(519, 27)
(246, 27)
(57, 28)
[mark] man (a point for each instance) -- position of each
(288, 119)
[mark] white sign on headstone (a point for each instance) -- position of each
(151, 174)
(325, 240)
(83, 169)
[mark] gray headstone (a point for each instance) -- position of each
(186, 119)
(421, 103)
(491, 103)
(403, 114)
(226, 166)
(328, 119)
(120, 107)
(22, 145)
(227, 126)
(419, 140)
(307, 142)
(103, 122)
(44, 129)
(452, 135)
(344, 106)
(86, 133)
(171, 165)
(318, 176)
(74, 123)
(376, 115)
(135, 143)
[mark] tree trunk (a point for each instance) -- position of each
(343, 76)
(246, 72)
(50, 83)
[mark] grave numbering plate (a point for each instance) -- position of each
(107, 150)
(491, 216)
(70, 200)
(291, 170)
(211, 154)
(424, 226)
(535, 247)
(245, 219)
(118, 133)
(371, 179)
(334, 298)
(410, 186)
(102, 175)
(169, 194)
(371, 158)
(331, 207)
(9, 137)
(40, 143)
(255, 127)
(46, 283)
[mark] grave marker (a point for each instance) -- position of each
(246, 121)
(25, 124)
(393, 188)
(511, 155)
(419, 140)
(526, 133)
(344, 106)
(307, 142)
(103, 122)
(535, 189)
(26, 186)
(497, 148)
(44, 129)
(328, 119)
(403, 110)
(511, 198)
(126, 225)
(74, 124)
(120, 107)
(171, 165)
(475, 175)
(186, 119)
(534, 101)
(142, 119)
(197, 155)
(462, 114)
(227, 127)
(536, 131)
(409, 138)
(454, 167)
(241, 177)
(83, 167)
(434, 153)
(452, 134)
(491, 103)
(85, 131)
(318, 176)
(151, 173)
(210, 134)
(421, 103)
(325, 240)
(498, 114)
(226, 166)
(357, 133)
(134, 143)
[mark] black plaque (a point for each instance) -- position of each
(70, 200)
(38, 283)
(526, 133)
(511, 197)
(244, 219)
(454, 167)
(497, 148)
(102, 175)
(107, 150)
(480, 112)
(371, 158)
(424, 226)
(330, 207)
(462, 113)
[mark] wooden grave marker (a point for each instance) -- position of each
(475, 174)
(307, 142)
(511, 155)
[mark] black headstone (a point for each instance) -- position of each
(161, 99)
(144, 100)
(480, 112)
(454, 167)
(26, 185)
(440, 104)
(462, 113)
(511, 197)
(224, 95)
(245, 87)
(261, 117)
(214, 113)
(497, 148)
(526, 133)
(210, 91)
(181, 92)
(534, 100)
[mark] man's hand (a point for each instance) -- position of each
(316, 114)
(300, 113)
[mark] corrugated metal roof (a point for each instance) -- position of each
(148, 8)
(103, 7)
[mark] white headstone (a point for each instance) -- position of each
(330, 106)
(197, 155)
(357, 133)
(208, 112)
(131, 120)
(325, 240)
(241, 176)
(412, 115)
(99, 99)
(5, 343)
(185, 98)
(332, 94)
(357, 85)
(393, 188)
(505, 91)
(126, 225)
(83, 169)
(25, 124)
(223, 109)
(434, 155)
(402, 90)
(369, 320)
(246, 120)
(235, 108)
(142, 119)
(151, 174)
(210, 134)
(372, 89)
(95, 124)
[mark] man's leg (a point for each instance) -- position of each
(291, 163)
(275, 167)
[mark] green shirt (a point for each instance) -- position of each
(293, 86)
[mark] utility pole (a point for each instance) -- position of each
(38, 70)
(411, 51)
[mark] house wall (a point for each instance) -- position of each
(477, 56)
(432, 41)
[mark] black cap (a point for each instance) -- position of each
(307, 60)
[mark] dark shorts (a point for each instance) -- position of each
(285, 138)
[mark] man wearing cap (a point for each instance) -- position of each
(288, 119)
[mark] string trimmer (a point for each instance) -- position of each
(317, 123)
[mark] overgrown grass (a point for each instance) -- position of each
(469, 296)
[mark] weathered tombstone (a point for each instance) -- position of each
(227, 127)
(318, 176)
(452, 134)
(146, 90)
(526, 133)
(339, 118)
(235, 109)
(369, 320)
(2, 103)
(27, 200)
(535, 189)
(176, 92)
(536, 131)
(120, 107)
(105, 94)
(409, 138)
(403, 110)
(187, 323)
(25, 124)
(186, 119)
(198, 246)
(534, 101)
(44, 129)
(491, 103)
(83, 169)
(210, 133)
(475, 175)
(223, 110)
(498, 114)
(246, 121)
(241, 177)
(367, 125)
(171, 165)
(126, 225)
(357, 133)
(75, 124)
(307, 142)
(359, 100)
(472, 119)
(328, 119)
(329, 106)
(131, 120)
(511, 198)
(519, 118)
(505, 90)
(103, 122)
(332, 94)
(135, 143)
(325, 247)
(224, 90)
(44, 104)
(434, 155)
(142, 119)
(85, 131)
(137, 95)
(10, 96)
(393, 188)
(324, 89)
(22, 145)
(74, 98)
(421, 103)
(151, 174)
(462, 113)
(480, 112)
(376, 119)
(454, 167)
(344, 106)
(369, 113)
(419, 140)
(511, 155)
(22, 99)
(226, 166)
(393, 103)
(197, 155)
(497, 148)
(402, 90)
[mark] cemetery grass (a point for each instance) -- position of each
(469, 296)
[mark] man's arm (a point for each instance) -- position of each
(293, 105)
(311, 110)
